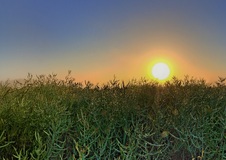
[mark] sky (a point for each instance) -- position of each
(100, 39)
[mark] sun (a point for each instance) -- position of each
(161, 71)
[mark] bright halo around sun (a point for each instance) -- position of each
(161, 71)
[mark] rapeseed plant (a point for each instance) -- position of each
(47, 118)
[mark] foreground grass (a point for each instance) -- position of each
(46, 118)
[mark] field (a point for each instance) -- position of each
(47, 118)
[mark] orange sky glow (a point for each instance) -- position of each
(97, 43)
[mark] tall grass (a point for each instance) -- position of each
(47, 118)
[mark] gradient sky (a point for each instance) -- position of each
(102, 38)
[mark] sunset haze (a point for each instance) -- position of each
(100, 39)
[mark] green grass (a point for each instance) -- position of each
(47, 118)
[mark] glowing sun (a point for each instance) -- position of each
(161, 71)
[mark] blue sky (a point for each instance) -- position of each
(100, 39)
